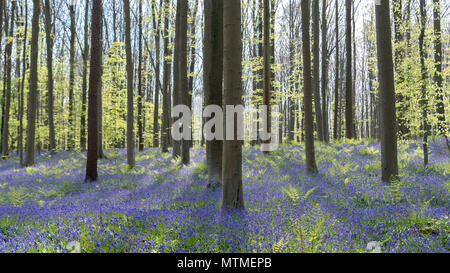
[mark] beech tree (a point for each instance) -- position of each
(32, 86)
(316, 67)
(166, 78)
(70, 139)
(311, 166)
(84, 84)
(94, 82)
(267, 70)
(336, 133)
(232, 194)
(130, 99)
(8, 91)
(212, 80)
(389, 163)
(424, 98)
(348, 70)
(140, 118)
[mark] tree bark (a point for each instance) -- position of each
(50, 98)
(70, 140)
(165, 134)
(182, 92)
(348, 80)
(424, 99)
(337, 75)
(94, 82)
(130, 100)
(140, 91)
(326, 136)
(267, 125)
(232, 195)
(389, 163)
(156, 24)
(84, 84)
(311, 166)
(8, 66)
(212, 79)
(33, 81)
(316, 68)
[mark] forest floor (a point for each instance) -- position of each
(161, 207)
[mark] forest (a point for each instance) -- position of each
(224, 126)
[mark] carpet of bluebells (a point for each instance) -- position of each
(163, 207)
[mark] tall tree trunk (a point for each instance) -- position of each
(70, 140)
(84, 84)
(292, 77)
(130, 101)
(267, 125)
(311, 165)
(50, 99)
(424, 99)
(192, 59)
(94, 82)
(182, 92)
(32, 87)
(232, 195)
(7, 91)
(176, 152)
(165, 134)
(260, 71)
(389, 163)
(337, 75)
(348, 80)
(21, 100)
(326, 134)
(316, 67)
(140, 91)
(212, 79)
(156, 25)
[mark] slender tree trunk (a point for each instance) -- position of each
(292, 76)
(348, 81)
(140, 91)
(192, 59)
(212, 79)
(232, 195)
(8, 66)
(326, 134)
(84, 84)
(316, 67)
(21, 100)
(33, 81)
(166, 77)
(70, 140)
(389, 163)
(176, 152)
(424, 99)
(94, 82)
(156, 24)
(182, 92)
(50, 99)
(130, 100)
(337, 75)
(267, 125)
(311, 166)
